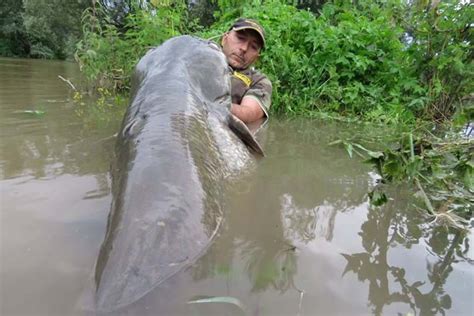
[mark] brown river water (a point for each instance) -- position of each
(300, 237)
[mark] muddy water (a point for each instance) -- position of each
(54, 188)
(299, 239)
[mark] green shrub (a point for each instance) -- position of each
(343, 60)
(388, 62)
(107, 56)
(441, 55)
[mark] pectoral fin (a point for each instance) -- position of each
(242, 131)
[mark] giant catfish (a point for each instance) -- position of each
(177, 148)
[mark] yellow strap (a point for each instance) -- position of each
(244, 78)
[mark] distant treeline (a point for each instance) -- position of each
(51, 28)
(40, 28)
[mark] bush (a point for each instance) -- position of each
(107, 56)
(343, 60)
(441, 55)
(370, 60)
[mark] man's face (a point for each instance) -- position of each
(241, 48)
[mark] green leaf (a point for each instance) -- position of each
(373, 154)
(349, 148)
(377, 197)
(468, 178)
(217, 299)
(34, 112)
(91, 53)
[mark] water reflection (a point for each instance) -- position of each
(304, 224)
(293, 198)
(288, 223)
(264, 252)
(390, 227)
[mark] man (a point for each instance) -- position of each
(251, 90)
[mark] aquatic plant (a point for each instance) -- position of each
(441, 170)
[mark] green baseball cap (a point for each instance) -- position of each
(249, 24)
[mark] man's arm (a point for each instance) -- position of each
(249, 110)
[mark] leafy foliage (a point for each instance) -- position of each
(441, 55)
(441, 169)
(107, 56)
(378, 61)
(343, 60)
(34, 28)
(13, 41)
(391, 61)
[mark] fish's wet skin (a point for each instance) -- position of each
(178, 147)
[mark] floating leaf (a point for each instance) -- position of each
(34, 112)
(217, 299)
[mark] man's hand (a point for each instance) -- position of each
(248, 110)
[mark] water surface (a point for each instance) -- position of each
(300, 237)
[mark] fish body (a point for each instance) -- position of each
(178, 147)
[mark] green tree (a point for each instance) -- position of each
(107, 53)
(13, 39)
(53, 26)
(441, 53)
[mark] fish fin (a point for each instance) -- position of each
(242, 131)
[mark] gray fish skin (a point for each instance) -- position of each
(174, 154)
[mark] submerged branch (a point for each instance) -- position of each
(68, 82)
